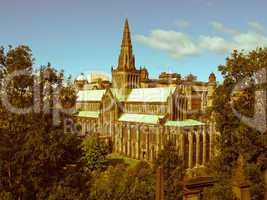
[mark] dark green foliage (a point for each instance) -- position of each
(237, 138)
(220, 191)
(108, 184)
(95, 153)
(119, 182)
(34, 153)
(140, 182)
(173, 169)
(74, 184)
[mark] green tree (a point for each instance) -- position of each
(95, 153)
(173, 169)
(74, 184)
(119, 182)
(34, 153)
(14, 126)
(237, 138)
(140, 182)
(108, 184)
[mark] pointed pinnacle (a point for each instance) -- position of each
(126, 41)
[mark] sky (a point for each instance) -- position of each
(182, 36)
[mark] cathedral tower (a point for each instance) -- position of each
(125, 76)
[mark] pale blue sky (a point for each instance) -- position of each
(181, 36)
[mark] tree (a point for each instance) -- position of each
(34, 152)
(108, 184)
(95, 152)
(173, 170)
(74, 184)
(140, 182)
(119, 182)
(14, 127)
(238, 138)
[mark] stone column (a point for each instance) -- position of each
(177, 139)
(158, 141)
(95, 124)
(91, 125)
(121, 137)
(204, 136)
(129, 140)
(87, 126)
(198, 148)
(211, 134)
(147, 145)
(137, 142)
(117, 138)
(123, 143)
(83, 128)
(182, 142)
(191, 149)
(163, 134)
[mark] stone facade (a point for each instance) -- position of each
(140, 115)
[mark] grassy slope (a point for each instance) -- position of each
(116, 158)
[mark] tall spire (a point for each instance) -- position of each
(126, 58)
(126, 40)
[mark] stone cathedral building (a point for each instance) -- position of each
(139, 115)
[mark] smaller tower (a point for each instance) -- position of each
(80, 81)
(212, 78)
(211, 88)
(191, 78)
(143, 74)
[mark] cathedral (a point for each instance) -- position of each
(139, 115)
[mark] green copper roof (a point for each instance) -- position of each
(150, 94)
(90, 114)
(187, 122)
(140, 118)
(90, 95)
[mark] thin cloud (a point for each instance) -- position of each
(182, 23)
(219, 27)
(179, 45)
(256, 26)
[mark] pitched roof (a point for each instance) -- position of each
(184, 123)
(150, 94)
(140, 118)
(89, 114)
(90, 95)
(135, 95)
